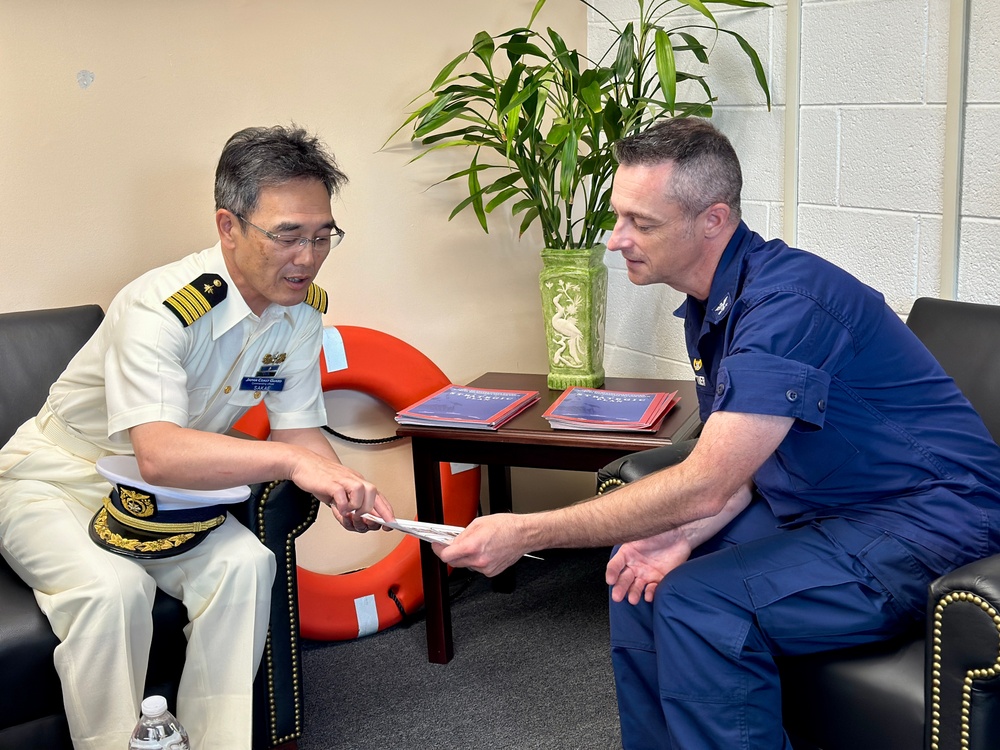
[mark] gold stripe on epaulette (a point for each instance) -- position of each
(317, 297)
(193, 300)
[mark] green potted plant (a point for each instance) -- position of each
(541, 119)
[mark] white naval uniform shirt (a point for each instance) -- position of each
(142, 365)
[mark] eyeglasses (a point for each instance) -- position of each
(323, 244)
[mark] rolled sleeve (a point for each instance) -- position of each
(758, 383)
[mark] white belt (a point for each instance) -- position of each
(49, 425)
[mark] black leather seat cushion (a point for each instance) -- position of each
(820, 695)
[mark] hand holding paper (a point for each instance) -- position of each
(429, 532)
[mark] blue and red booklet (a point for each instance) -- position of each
(597, 409)
(468, 407)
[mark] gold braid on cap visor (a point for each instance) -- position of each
(162, 528)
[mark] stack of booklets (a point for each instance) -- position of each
(467, 407)
(597, 409)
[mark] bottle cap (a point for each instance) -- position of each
(154, 705)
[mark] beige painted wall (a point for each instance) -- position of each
(101, 182)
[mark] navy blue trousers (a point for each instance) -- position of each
(695, 669)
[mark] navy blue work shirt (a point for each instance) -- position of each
(881, 434)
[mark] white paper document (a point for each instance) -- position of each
(429, 532)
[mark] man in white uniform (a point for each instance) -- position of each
(183, 352)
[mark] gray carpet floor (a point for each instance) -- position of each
(531, 670)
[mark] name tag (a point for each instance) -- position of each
(262, 384)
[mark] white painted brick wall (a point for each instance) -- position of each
(873, 88)
(863, 51)
(978, 280)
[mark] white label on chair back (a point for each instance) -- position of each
(367, 614)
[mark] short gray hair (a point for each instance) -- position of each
(706, 167)
(258, 157)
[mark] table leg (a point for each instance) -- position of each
(501, 501)
(427, 486)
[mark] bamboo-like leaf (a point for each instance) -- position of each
(476, 192)
(483, 48)
(510, 134)
(502, 198)
(503, 182)
(538, 7)
(510, 86)
(567, 167)
(696, 109)
(438, 121)
(626, 52)
(557, 133)
(466, 171)
(526, 221)
(612, 122)
(699, 6)
(758, 69)
(666, 68)
(447, 70)
(527, 91)
(517, 50)
(438, 147)
(437, 104)
(462, 205)
(557, 43)
(695, 46)
(606, 221)
(522, 205)
(591, 95)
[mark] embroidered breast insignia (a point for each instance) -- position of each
(193, 300)
(316, 297)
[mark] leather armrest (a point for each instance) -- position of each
(637, 465)
(963, 657)
(277, 513)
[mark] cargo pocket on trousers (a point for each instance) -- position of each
(896, 569)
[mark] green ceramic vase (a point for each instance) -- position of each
(574, 286)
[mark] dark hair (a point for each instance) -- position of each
(264, 157)
(706, 167)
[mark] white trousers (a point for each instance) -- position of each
(99, 604)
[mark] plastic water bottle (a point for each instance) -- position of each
(158, 729)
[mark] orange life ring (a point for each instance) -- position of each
(348, 605)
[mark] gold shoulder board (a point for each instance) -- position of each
(193, 300)
(316, 297)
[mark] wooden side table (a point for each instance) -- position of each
(526, 441)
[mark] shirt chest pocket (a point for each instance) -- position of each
(245, 397)
(812, 457)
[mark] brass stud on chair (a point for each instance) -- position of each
(970, 676)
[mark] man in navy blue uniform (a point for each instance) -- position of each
(839, 470)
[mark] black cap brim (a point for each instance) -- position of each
(115, 537)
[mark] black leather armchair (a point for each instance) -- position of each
(938, 687)
(36, 346)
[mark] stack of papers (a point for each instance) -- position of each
(597, 409)
(464, 406)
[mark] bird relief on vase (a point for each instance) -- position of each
(574, 287)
